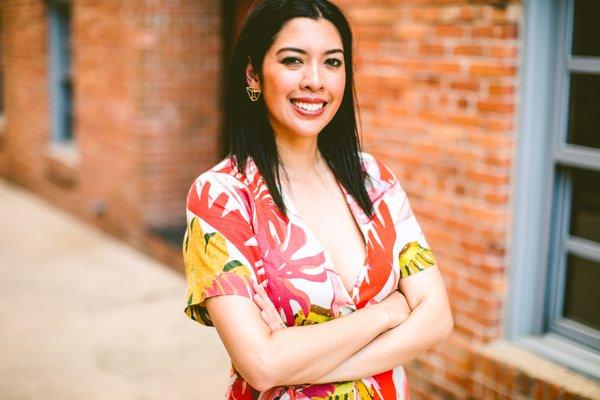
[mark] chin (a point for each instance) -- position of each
(307, 132)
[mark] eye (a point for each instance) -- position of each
(334, 62)
(291, 61)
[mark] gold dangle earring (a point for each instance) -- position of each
(254, 94)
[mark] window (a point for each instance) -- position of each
(61, 88)
(575, 233)
(555, 263)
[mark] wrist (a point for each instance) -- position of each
(386, 316)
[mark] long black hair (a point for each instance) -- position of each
(247, 132)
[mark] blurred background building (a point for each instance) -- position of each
(488, 111)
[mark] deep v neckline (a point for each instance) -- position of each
(351, 294)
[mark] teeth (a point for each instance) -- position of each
(308, 106)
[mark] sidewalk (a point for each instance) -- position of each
(83, 316)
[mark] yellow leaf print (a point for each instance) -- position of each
(316, 315)
(347, 390)
(205, 256)
(414, 258)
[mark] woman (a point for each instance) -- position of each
(302, 251)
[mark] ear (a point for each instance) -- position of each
(252, 78)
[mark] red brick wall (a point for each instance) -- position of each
(24, 64)
(146, 117)
(104, 64)
(436, 83)
(178, 102)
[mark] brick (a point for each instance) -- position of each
(495, 107)
(496, 32)
(503, 51)
(424, 14)
(449, 31)
(492, 70)
(500, 90)
(431, 49)
(468, 50)
(471, 86)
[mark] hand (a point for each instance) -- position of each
(397, 308)
(268, 312)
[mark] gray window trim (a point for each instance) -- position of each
(60, 107)
(578, 156)
(534, 190)
(584, 248)
(584, 64)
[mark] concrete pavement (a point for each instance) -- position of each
(84, 316)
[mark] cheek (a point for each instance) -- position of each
(279, 85)
(337, 87)
(337, 83)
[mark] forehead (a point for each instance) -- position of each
(308, 34)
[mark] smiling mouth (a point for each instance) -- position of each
(310, 107)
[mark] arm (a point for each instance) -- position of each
(298, 354)
(429, 324)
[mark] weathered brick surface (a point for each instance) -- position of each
(146, 114)
(24, 65)
(437, 84)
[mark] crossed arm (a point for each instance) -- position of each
(366, 342)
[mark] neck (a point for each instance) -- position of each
(299, 157)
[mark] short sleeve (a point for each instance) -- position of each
(220, 251)
(411, 252)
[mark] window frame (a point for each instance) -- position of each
(61, 99)
(537, 256)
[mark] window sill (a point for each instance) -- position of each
(539, 357)
(564, 352)
(62, 164)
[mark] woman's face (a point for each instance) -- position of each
(303, 77)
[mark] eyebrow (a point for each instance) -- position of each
(297, 50)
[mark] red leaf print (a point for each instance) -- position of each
(381, 243)
(280, 267)
(230, 223)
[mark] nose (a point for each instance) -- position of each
(312, 78)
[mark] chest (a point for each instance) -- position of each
(324, 212)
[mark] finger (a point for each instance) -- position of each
(270, 316)
(267, 305)
(266, 318)
(273, 325)
(260, 290)
(277, 326)
(260, 302)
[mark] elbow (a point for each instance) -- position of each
(259, 384)
(261, 374)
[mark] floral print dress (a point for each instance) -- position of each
(235, 235)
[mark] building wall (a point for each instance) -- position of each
(146, 102)
(437, 85)
(25, 72)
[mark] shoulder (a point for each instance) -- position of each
(223, 183)
(380, 179)
(224, 176)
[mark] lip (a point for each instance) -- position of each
(312, 100)
(306, 113)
